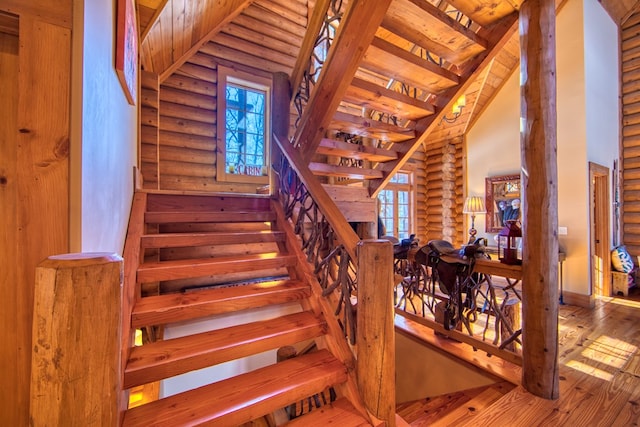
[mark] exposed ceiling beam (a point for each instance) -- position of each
(357, 29)
(225, 12)
(497, 36)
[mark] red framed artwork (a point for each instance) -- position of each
(127, 49)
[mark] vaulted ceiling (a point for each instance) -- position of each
(439, 49)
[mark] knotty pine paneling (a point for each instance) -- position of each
(630, 214)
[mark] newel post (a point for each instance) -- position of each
(376, 365)
(75, 375)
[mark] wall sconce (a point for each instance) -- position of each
(473, 205)
(456, 110)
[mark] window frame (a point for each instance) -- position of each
(410, 189)
(239, 78)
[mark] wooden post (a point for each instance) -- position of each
(540, 195)
(280, 115)
(376, 363)
(75, 376)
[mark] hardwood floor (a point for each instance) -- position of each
(599, 371)
(599, 366)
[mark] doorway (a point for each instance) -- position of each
(600, 236)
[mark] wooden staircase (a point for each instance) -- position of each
(194, 268)
(410, 61)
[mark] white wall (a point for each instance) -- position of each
(603, 87)
(587, 107)
(104, 135)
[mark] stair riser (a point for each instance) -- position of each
(184, 217)
(173, 202)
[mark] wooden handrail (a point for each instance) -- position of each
(343, 231)
(131, 290)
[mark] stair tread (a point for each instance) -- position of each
(161, 309)
(373, 96)
(198, 267)
(162, 359)
(204, 216)
(330, 147)
(367, 127)
(344, 171)
(245, 397)
(341, 412)
(173, 240)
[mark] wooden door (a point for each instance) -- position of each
(600, 230)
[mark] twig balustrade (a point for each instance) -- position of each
(474, 296)
(333, 266)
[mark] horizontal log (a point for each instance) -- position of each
(187, 183)
(195, 170)
(247, 21)
(170, 109)
(629, 109)
(190, 99)
(631, 98)
(631, 130)
(264, 40)
(631, 142)
(149, 153)
(149, 134)
(190, 84)
(630, 43)
(177, 139)
(187, 155)
(630, 65)
(273, 20)
(149, 117)
(233, 55)
(149, 97)
(198, 72)
(190, 127)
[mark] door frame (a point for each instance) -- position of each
(600, 229)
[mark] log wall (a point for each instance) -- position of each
(630, 215)
(440, 200)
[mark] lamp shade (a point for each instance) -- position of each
(474, 205)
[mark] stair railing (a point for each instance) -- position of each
(340, 262)
(327, 239)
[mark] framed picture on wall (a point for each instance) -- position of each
(127, 49)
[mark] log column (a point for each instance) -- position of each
(540, 195)
(376, 366)
(75, 375)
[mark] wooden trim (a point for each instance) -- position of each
(249, 80)
(580, 300)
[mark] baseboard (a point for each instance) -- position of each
(580, 300)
